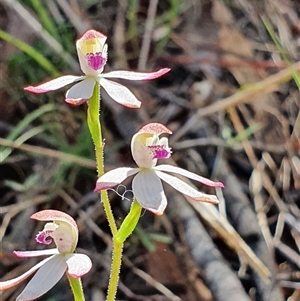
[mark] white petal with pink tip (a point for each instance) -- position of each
(36, 253)
(120, 93)
(148, 191)
(114, 177)
(131, 75)
(188, 174)
(187, 189)
(54, 84)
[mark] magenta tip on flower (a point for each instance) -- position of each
(35, 90)
(159, 73)
(219, 184)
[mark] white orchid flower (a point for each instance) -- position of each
(64, 232)
(147, 148)
(92, 54)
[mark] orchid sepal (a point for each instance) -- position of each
(7, 284)
(188, 174)
(114, 177)
(53, 84)
(132, 75)
(44, 279)
(35, 253)
(120, 93)
(186, 189)
(81, 92)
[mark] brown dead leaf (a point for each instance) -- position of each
(163, 265)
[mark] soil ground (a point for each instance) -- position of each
(232, 102)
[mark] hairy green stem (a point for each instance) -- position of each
(125, 230)
(76, 288)
(130, 222)
(115, 270)
(93, 120)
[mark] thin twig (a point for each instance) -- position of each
(49, 153)
(265, 86)
(78, 22)
(17, 208)
(147, 36)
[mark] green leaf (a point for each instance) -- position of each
(129, 222)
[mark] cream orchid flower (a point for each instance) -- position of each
(64, 232)
(147, 148)
(92, 54)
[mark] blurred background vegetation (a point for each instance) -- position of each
(232, 102)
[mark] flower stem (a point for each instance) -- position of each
(76, 288)
(125, 230)
(130, 222)
(93, 120)
(115, 270)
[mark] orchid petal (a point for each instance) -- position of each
(131, 75)
(148, 191)
(187, 189)
(81, 92)
(65, 238)
(120, 94)
(54, 84)
(45, 278)
(37, 253)
(188, 174)
(4, 285)
(141, 154)
(114, 177)
(78, 264)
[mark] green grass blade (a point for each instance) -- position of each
(281, 50)
(28, 119)
(30, 51)
(29, 134)
(46, 21)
